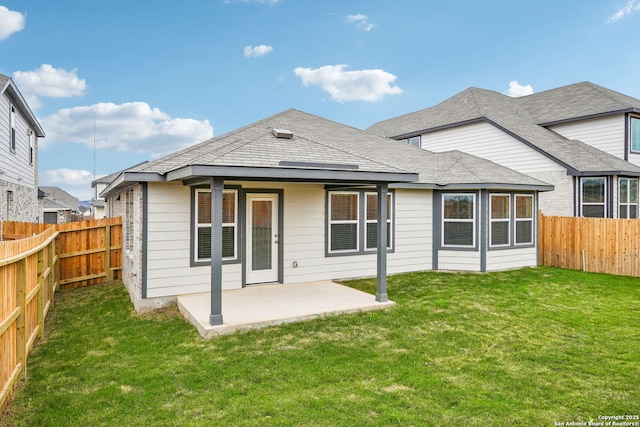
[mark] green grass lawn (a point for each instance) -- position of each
(528, 347)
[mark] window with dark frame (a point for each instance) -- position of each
(635, 134)
(500, 219)
(458, 220)
(202, 235)
(594, 196)
(12, 130)
(524, 219)
(352, 219)
(628, 198)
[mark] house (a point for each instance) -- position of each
(98, 204)
(19, 133)
(58, 205)
(583, 139)
(297, 198)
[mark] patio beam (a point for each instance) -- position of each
(381, 291)
(217, 185)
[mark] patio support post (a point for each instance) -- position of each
(381, 291)
(217, 186)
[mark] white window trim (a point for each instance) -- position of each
(530, 219)
(582, 202)
(208, 225)
(507, 220)
(375, 221)
(472, 220)
(356, 221)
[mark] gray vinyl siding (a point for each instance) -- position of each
(508, 259)
(16, 166)
(603, 133)
(486, 141)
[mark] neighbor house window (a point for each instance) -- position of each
(12, 130)
(635, 134)
(129, 217)
(31, 149)
(500, 208)
(594, 197)
(524, 219)
(353, 221)
(458, 220)
(415, 141)
(202, 233)
(628, 198)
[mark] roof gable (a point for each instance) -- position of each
(8, 86)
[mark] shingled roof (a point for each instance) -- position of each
(319, 150)
(523, 118)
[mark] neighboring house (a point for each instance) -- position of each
(59, 206)
(583, 138)
(295, 198)
(19, 133)
(98, 202)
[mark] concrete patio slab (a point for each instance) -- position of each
(259, 306)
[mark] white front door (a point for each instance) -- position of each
(262, 238)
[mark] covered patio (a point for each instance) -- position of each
(260, 306)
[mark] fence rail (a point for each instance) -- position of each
(598, 245)
(33, 268)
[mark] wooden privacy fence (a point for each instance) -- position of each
(33, 268)
(599, 245)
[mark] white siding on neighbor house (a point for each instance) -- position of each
(560, 201)
(488, 142)
(506, 259)
(603, 133)
(458, 260)
(16, 167)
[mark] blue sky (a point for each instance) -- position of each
(157, 76)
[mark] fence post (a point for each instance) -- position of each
(40, 294)
(21, 321)
(107, 255)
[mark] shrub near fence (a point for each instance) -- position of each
(33, 268)
(598, 245)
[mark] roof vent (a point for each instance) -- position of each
(282, 133)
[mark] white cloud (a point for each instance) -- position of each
(257, 51)
(50, 82)
(361, 21)
(343, 86)
(73, 181)
(630, 7)
(10, 22)
(516, 89)
(128, 127)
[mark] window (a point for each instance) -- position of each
(372, 221)
(343, 222)
(458, 217)
(202, 235)
(415, 141)
(524, 219)
(12, 122)
(635, 134)
(594, 197)
(129, 217)
(31, 151)
(353, 222)
(628, 198)
(500, 208)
